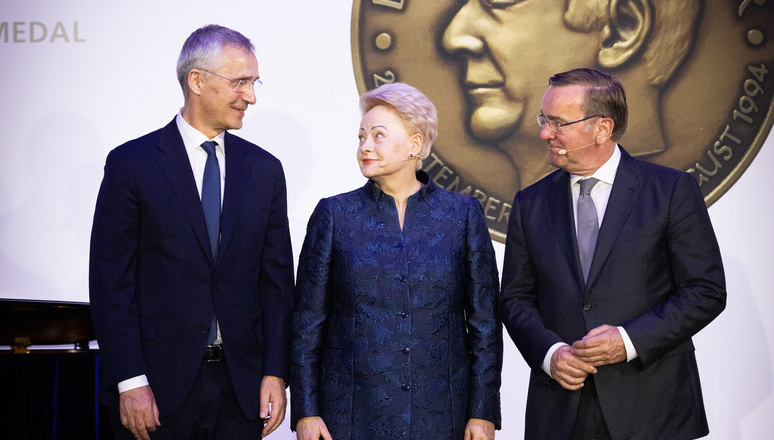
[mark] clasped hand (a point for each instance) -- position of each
(571, 364)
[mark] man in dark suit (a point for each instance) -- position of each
(606, 281)
(191, 270)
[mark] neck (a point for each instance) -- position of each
(190, 115)
(603, 153)
(399, 188)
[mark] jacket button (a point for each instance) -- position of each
(403, 277)
(586, 307)
(406, 350)
(216, 284)
(405, 387)
(404, 315)
(205, 329)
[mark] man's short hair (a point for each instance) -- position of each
(202, 50)
(605, 96)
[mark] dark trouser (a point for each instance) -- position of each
(210, 412)
(590, 422)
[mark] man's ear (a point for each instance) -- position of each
(626, 33)
(195, 80)
(604, 130)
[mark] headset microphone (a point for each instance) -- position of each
(399, 161)
(562, 152)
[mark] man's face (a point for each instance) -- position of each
(572, 147)
(224, 105)
(510, 47)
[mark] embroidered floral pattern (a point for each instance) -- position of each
(396, 334)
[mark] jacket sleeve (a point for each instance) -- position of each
(697, 275)
(519, 298)
(276, 283)
(483, 323)
(310, 313)
(112, 272)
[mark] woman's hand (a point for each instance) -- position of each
(479, 429)
(312, 428)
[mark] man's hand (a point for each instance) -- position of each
(569, 370)
(312, 428)
(139, 413)
(479, 429)
(601, 346)
(273, 403)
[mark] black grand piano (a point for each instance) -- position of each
(49, 373)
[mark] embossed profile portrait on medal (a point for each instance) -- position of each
(697, 76)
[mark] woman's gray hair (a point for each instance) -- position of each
(414, 108)
(202, 50)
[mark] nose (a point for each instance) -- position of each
(547, 132)
(365, 147)
(461, 34)
(248, 95)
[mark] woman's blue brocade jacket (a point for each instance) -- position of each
(396, 333)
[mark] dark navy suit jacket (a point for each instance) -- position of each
(656, 271)
(154, 286)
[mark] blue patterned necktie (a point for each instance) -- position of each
(588, 226)
(211, 207)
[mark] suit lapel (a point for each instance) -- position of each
(174, 162)
(238, 173)
(626, 189)
(561, 211)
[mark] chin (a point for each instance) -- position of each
(493, 123)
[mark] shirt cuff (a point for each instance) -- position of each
(132, 383)
(631, 352)
(547, 360)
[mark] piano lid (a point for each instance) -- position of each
(44, 322)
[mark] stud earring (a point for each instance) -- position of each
(411, 155)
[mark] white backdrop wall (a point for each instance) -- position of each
(80, 77)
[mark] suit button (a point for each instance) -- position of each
(205, 329)
(400, 245)
(404, 315)
(406, 350)
(586, 307)
(216, 284)
(403, 278)
(405, 387)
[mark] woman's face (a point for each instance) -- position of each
(385, 144)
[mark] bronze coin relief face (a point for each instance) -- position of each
(699, 77)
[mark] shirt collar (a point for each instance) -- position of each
(605, 173)
(193, 138)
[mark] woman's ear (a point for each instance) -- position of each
(417, 141)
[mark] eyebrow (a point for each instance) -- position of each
(373, 127)
(551, 117)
